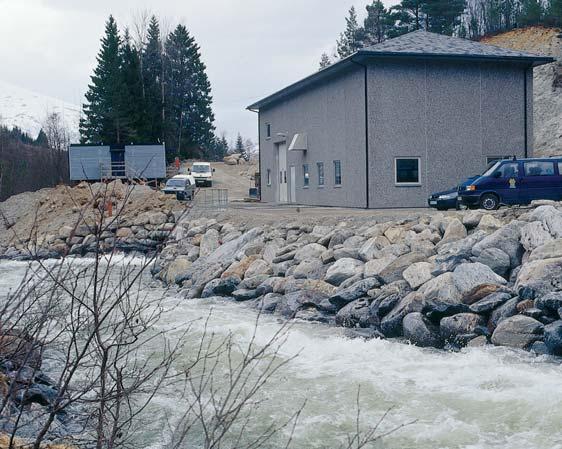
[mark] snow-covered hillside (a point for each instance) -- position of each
(28, 110)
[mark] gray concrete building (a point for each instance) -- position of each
(395, 122)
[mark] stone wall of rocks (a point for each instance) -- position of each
(441, 281)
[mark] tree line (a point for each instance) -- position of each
(151, 89)
(464, 18)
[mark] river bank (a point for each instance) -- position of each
(436, 280)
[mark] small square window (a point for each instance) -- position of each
(306, 175)
(407, 171)
(268, 130)
(320, 167)
(337, 173)
(268, 177)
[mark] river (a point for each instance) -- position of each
(479, 398)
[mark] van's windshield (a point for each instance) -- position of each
(201, 168)
(492, 169)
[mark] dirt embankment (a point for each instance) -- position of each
(547, 83)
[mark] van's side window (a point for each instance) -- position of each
(539, 168)
(509, 170)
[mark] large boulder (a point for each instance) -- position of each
(355, 291)
(507, 239)
(454, 231)
(534, 235)
(490, 302)
(418, 274)
(442, 289)
(220, 287)
(304, 299)
(177, 267)
(461, 327)
(393, 272)
(496, 259)
(309, 269)
(469, 276)
(550, 250)
(310, 251)
(226, 253)
(257, 267)
(539, 277)
(488, 223)
(420, 331)
(550, 303)
(209, 242)
(372, 247)
(391, 324)
(517, 332)
(374, 267)
(506, 310)
(551, 218)
(356, 314)
(343, 269)
(553, 337)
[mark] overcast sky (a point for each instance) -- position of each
(251, 47)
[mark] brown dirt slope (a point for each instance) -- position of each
(547, 83)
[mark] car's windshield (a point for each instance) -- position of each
(175, 183)
(492, 169)
(201, 168)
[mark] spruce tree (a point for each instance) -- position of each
(131, 102)
(153, 76)
(377, 25)
(349, 42)
(189, 117)
(443, 16)
(325, 61)
(103, 116)
(239, 145)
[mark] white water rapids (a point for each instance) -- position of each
(482, 398)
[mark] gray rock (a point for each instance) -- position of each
(454, 231)
(372, 247)
(503, 312)
(244, 294)
(225, 254)
(209, 242)
(350, 281)
(553, 338)
(254, 282)
(418, 274)
(517, 332)
(220, 287)
(308, 269)
(471, 275)
(374, 267)
(355, 241)
(539, 348)
(472, 219)
(550, 302)
(311, 251)
(257, 267)
(391, 324)
(339, 236)
(442, 288)
(313, 315)
(550, 250)
(268, 303)
(455, 328)
(539, 277)
(357, 290)
(507, 239)
(356, 314)
(534, 235)
(478, 342)
(551, 218)
(267, 286)
(490, 302)
(342, 270)
(294, 301)
(421, 332)
(393, 272)
(489, 223)
(496, 259)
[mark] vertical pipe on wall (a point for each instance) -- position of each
(526, 109)
(366, 89)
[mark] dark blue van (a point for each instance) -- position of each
(514, 181)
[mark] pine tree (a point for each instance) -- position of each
(131, 102)
(348, 42)
(41, 140)
(239, 146)
(325, 61)
(152, 74)
(189, 117)
(103, 117)
(443, 16)
(378, 23)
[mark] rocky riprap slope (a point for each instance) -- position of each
(51, 223)
(441, 281)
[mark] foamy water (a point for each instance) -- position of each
(481, 398)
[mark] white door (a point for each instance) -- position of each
(282, 175)
(293, 172)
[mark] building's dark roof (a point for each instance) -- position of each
(415, 45)
(425, 43)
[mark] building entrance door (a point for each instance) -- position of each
(282, 158)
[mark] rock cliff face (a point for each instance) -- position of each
(547, 83)
(438, 280)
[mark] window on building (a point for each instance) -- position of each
(539, 168)
(305, 175)
(337, 173)
(407, 171)
(268, 177)
(320, 166)
(268, 130)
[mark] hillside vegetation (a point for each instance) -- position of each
(547, 83)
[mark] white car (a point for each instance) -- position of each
(203, 173)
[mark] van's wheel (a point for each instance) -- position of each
(489, 201)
